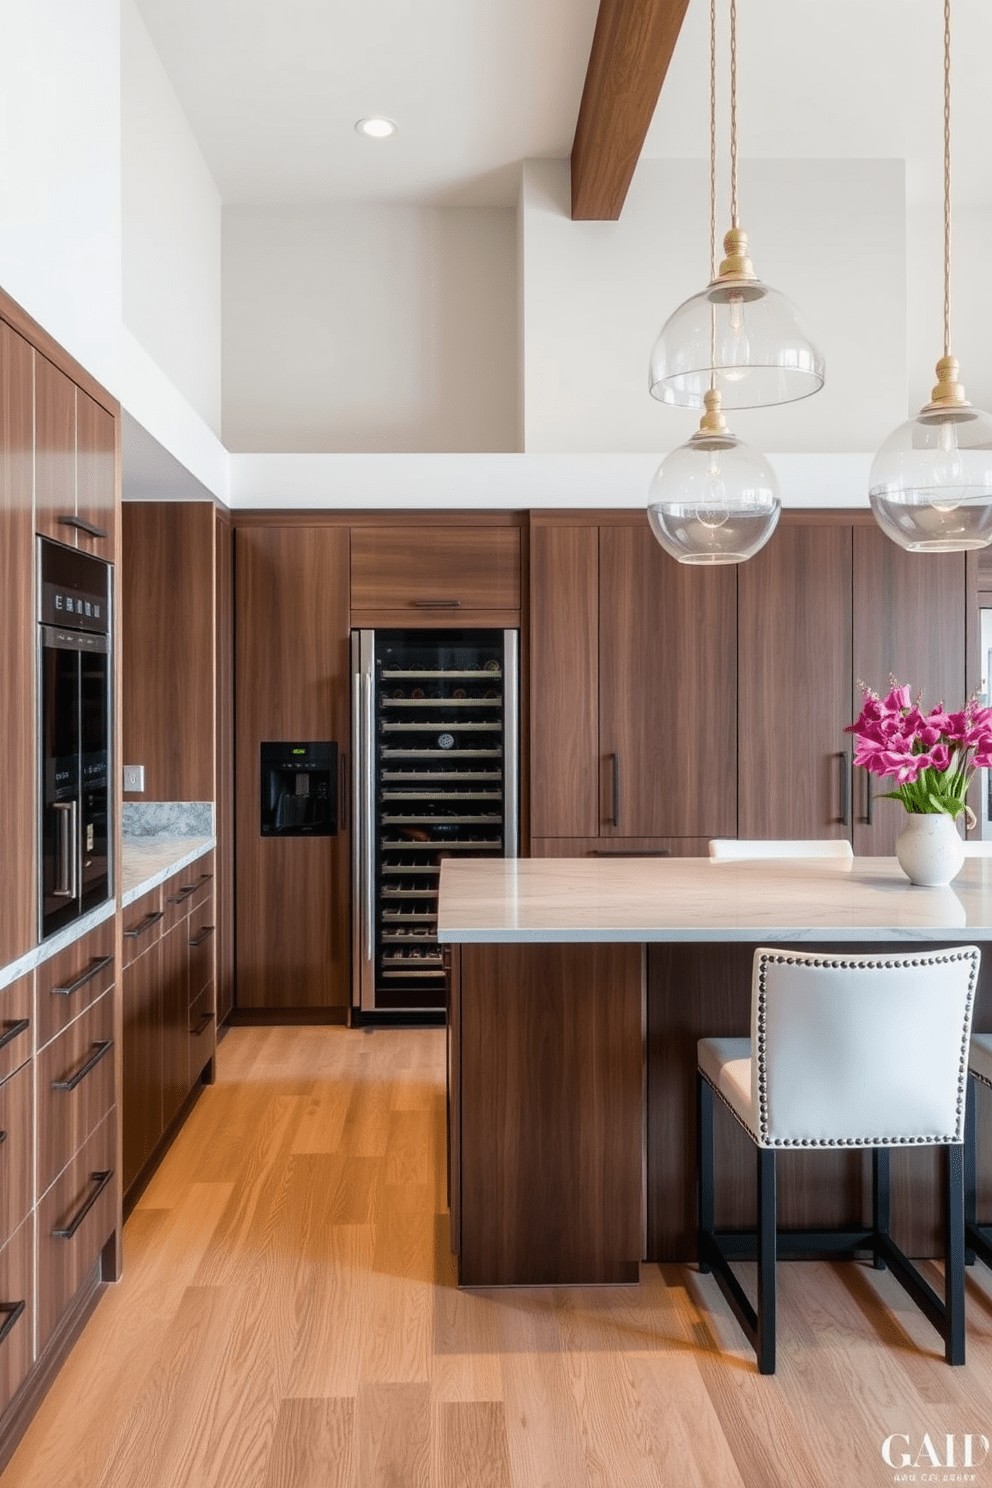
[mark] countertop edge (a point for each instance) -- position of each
(182, 852)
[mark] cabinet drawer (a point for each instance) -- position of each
(188, 890)
(202, 942)
(16, 1024)
(16, 1150)
(16, 1310)
(74, 979)
(75, 1088)
(142, 924)
(202, 1033)
(75, 1220)
(424, 569)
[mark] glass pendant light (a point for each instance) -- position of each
(738, 336)
(713, 500)
(930, 486)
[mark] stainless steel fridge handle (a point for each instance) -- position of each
(368, 825)
(65, 887)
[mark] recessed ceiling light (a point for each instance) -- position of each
(376, 128)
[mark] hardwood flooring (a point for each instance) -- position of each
(288, 1318)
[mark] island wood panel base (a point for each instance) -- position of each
(698, 991)
(548, 1102)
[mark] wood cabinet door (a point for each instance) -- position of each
(667, 691)
(142, 1060)
(175, 1020)
(564, 682)
(909, 621)
(96, 478)
(293, 681)
(55, 452)
(430, 569)
(18, 871)
(795, 684)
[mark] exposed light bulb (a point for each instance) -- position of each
(736, 347)
(948, 467)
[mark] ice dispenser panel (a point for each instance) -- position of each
(299, 789)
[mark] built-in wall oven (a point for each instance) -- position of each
(75, 702)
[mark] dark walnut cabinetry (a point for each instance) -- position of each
(59, 1168)
(633, 693)
(76, 464)
(825, 605)
(426, 572)
(169, 1021)
(293, 683)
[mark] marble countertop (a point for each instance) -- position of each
(544, 900)
(149, 861)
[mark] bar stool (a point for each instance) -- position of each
(845, 1051)
(977, 1238)
(730, 849)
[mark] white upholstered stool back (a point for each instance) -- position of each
(728, 849)
(861, 1050)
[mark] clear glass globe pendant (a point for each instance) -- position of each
(713, 500)
(930, 486)
(739, 337)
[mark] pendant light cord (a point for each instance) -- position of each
(947, 178)
(713, 253)
(734, 217)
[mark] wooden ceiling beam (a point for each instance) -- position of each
(631, 49)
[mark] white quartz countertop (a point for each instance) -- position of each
(149, 861)
(694, 899)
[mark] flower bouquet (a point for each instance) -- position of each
(932, 758)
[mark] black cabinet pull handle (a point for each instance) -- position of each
(629, 852)
(13, 1311)
(100, 1049)
(437, 604)
(869, 798)
(204, 934)
(83, 526)
(205, 1019)
(13, 1031)
(3, 1137)
(101, 1180)
(204, 878)
(94, 969)
(143, 925)
(184, 893)
(616, 789)
(845, 789)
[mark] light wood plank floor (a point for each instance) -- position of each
(288, 1318)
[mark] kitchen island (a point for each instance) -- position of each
(578, 990)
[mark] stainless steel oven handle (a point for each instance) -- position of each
(368, 803)
(65, 879)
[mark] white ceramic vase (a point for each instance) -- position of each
(930, 849)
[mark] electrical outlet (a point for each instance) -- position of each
(134, 777)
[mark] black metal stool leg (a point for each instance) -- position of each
(954, 1256)
(970, 1169)
(704, 1167)
(767, 1245)
(880, 1199)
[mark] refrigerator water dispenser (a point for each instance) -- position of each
(299, 789)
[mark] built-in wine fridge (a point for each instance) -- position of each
(435, 750)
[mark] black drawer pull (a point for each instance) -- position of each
(205, 1020)
(204, 878)
(13, 1031)
(631, 852)
(143, 925)
(184, 893)
(83, 526)
(437, 604)
(100, 1049)
(198, 940)
(3, 1137)
(94, 969)
(13, 1311)
(101, 1180)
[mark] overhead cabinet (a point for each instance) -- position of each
(633, 692)
(75, 468)
(428, 571)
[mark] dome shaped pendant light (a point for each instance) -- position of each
(930, 486)
(713, 500)
(738, 336)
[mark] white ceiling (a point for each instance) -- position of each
(272, 90)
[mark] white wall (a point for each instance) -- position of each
(60, 248)
(369, 329)
(829, 234)
(170, 228)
